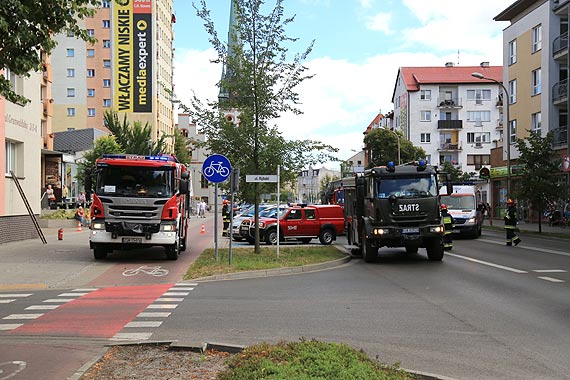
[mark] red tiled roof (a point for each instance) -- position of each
(415, 76)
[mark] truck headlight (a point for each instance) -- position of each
(379, 231)
(437, 230)
(97, 226)
(168, 227)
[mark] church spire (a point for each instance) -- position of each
(233, 39)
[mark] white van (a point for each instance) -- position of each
(462, 206)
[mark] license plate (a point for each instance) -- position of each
(244, 229)
(411, 231)
(132, 240)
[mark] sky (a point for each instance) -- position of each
(358, 47)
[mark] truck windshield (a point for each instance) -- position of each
(406, 186)
(139, 181)
(459, 202)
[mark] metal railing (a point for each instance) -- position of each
(449, 124)
(560, 90)
(559, 44)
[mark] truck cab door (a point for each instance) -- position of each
(310, 224)
(292, 225)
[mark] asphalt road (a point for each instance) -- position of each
(486, 312)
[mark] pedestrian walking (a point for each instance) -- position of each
(447, 220)
(202, 209)
(50, 195)
(225, 217)
(511, 224)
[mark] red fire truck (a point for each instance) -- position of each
(139, 202)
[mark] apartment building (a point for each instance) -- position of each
(452, 115)
(309, 183)
(536, 61)
(129, 69)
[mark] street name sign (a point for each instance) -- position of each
(260, 178)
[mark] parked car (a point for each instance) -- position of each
(248, 212)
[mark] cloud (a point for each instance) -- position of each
(380, 22)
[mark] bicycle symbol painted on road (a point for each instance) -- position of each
(10, 369)
(216, 168)
(151, 271)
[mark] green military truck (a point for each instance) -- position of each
(395, 206)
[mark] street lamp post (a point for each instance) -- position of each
(508, 129)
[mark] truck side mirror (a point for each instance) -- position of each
(183, 186)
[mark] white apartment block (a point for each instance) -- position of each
(452, 115)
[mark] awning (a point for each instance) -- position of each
(47, 152)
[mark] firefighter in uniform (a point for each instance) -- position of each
(511, 223)
(448, 228)
(225, 217)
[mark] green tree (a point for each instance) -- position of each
(103, 145)
(540, 166)
(455, 173)
(382, 145)
(28, 27)
(136, 138)
(260, 82)
(181, 147)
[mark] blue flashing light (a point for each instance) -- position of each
(422, 165)
(391, 167)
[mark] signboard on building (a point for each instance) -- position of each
(132, 44)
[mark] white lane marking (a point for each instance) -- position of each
(61, 300)
(9, 326)
(131, 336)
(528, 247)
(8, 300)
(154, 315)
(165, 306)
(144, 324)
(169, 299)
(85, 290)
(72, 294)
(42, 307)
(549, 271)
(186, 284)
(15, 295)
(180, 289)
(23, 316)
(551, 279)
(487, 263)
(176, 294)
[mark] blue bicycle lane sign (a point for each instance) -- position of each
(216, 168)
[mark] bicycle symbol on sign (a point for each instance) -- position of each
(151, 271)
(216, 168)
(11, 369)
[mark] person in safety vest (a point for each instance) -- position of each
(448, 225)
(511, 223)
(225, 217)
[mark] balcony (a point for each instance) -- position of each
(448, 147)
(560, 136)
(560, 46)
(560, 92)
(449, 103)
(449, 124)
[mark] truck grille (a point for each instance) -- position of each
(132, 209)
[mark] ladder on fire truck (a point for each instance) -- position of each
(30, 211)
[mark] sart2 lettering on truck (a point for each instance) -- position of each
(395, 206)
(138, 202)
(462, 206)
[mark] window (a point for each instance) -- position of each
(90, 92)
(512, 52)
(70, 33)
(425, 137)
(107, 43)
(106, 82)
(106, 63)
(425, 94)
(106, 102)
(536, 122)
(106, 4)
(11, 157)
(90, 73)
(309, 214)
(536, 38)
(512, 91)
(16, 81)
(479, 94)
(71, 92)
(479, 116)
(535, 82)
(478, 160)
(512, 131)
(478, 137)
(425, 115)
(91, 32)
(70, 52)
(90, 112)
(106, 24)
(71, 112)
(70, 73)
(91, 53)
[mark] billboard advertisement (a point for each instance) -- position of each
(132, 44)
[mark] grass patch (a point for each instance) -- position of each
(245, 259)
(308, 360)
(59, 214)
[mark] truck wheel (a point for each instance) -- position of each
(327, 236)
(369, 253)
(173, 250)
(434, 250)
(100, 253)
(271, 236)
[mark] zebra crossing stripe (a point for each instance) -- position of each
(9, 326)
